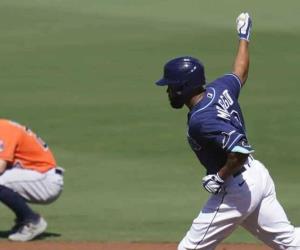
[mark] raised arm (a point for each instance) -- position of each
(241, 63)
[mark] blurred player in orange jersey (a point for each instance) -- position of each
(28, 173)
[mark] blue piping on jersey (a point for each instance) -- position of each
(239, 149)
(207, 103)
(236, 77)
(238, 137)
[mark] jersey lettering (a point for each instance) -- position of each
(225, 101)
(223, 113)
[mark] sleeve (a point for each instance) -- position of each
(222, 137)
(7, 147)
(230, 82)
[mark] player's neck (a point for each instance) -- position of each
(194, 100)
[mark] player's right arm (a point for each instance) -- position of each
(241, 63)
(233, 164)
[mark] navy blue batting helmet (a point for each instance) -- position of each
(185, 71)
(184, 77)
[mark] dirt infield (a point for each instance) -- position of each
(112, 246)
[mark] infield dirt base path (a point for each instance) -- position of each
(113, 246)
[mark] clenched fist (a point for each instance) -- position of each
(244, 25)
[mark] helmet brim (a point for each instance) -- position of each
(164, 82)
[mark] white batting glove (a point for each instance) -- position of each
(213, 183)
(244, 25)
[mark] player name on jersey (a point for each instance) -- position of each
(225, 102)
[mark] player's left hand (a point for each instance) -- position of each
(213, 183)
(243, 26)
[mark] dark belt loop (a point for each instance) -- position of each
(59, 171)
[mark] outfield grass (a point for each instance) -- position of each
(81, 74)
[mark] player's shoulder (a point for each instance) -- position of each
(9, 127)
(8, 132)
(4, 123)
(229, 79)
(229, 83)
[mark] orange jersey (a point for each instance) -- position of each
(20, 146)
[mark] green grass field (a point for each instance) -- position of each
(81, 74)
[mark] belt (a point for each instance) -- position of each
(243, 168)
(59, 171)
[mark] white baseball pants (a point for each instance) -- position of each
(249, 200)
(33, 186)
